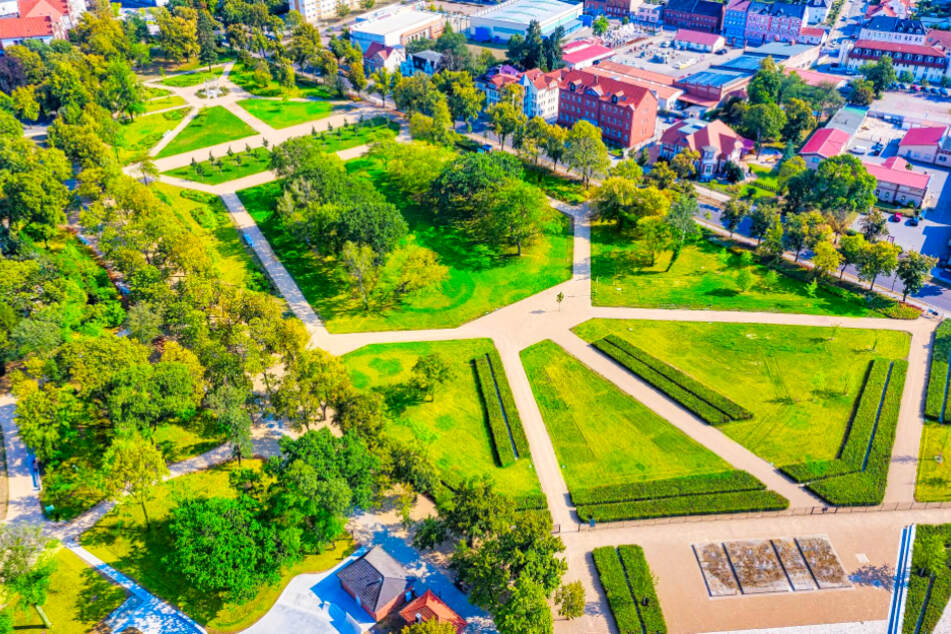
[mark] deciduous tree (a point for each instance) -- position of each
(133, 465)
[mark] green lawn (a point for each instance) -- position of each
(243, 77)
(569, 190)
(934, 464)
(702, 277)
(137, 137)
(210, 126)
(186, 80)
(452, 428)
(205, 215)
(161, 103)
(283, 114)
(121, 540)
(800, 382)
(79, 598)
(478, 282)
(603, 436)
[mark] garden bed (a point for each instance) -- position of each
(716, 570)
(505, 425)
(757, 568)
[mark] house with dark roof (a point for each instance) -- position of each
(377, 582)
(696, 15)
(715, 142)
(428, 62)
(429, 607)
(883, 28)
(928, 145)
(624, 111)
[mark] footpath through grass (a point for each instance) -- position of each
(244, 77)
(122, 541)
(478, 282)
(704, 276)
(79, 599)
(187, 80)
(799, 382)
(210, 126)
(928, 590)
(137, 137)
(452, 428)
(283, 114)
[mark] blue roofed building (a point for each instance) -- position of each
(502, 21)
(710, 87)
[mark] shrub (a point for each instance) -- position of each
(865, 417)
(938, 376)
(498, 430)
(508, 404)
(672, 487)
(919, 603)
(614, 582)
(731, 502)
(532, 501)
(902, 311)
(642, 587)
(809, 471)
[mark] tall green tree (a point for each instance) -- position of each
(913, 269)
(586, 152)
(133, 466)
(880, 258)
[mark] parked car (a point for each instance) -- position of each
(485, 148)
(858, 149)
(895, 217)
(913, 221)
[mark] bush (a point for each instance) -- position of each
(902, 311)
(690, 393)
(532, 502)
(731, 502)
(864, 419)
(498, 429)
(614, 582)
(642, 587)
(508, 404)
(672, 487)
(938, 376)
(916, 606)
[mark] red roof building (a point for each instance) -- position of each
(940, 39)
(429, 607)
(16, 30)
(661, 86)
(928, 145)
(584, 53)
(812, 35)
(923, 62)
(824, 143)
(715, 142)
(815, 78)
(897, 183)
(698, 40)
(625, 112)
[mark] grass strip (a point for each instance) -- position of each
(508, 404)
(614, 582)
(498, 430)
(642, 587)
(862, 426)
(714, 503)
(935, 406)
(723, 482)
(921, 606)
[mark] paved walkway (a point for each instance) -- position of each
(23, 502)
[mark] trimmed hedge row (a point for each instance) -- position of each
(724, 481)
(866, 487)
(508, 404)
(866, 414)
(532, 501)
(504, 453)
(642, 587)
(918, 587)
(687, 399)
(714, 503)
(614, 582)
(935, 407)
(809, 471)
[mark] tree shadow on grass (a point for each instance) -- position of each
(398, 397)
(97, 598)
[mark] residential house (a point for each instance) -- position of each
(734, 22)
(625, 112)
(824, 143)
(883, 28)
(928, 145)
(897, 183)
(650, 14)
(715, 142)
(494, 80)
(938, 39)
(891, 8)
(18, 30)
(428, 62)
(818, 10)
(813, 35)
(698, 41)
(43, 20)
(696, 15)
(377, 582)
(378, 56)
(922, 62)
(660, 85)
(775, 22)
(584, 53)
(429, 607)
(612, 8)
(541, 94)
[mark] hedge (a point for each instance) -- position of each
(498, 429)
(915, 606)
(714, 398)
(508, 404)
(809, 471)
(642, 587)
(673, 487)
(690, 401)
(531, 501)
(730, 502)
(866, 414)
(614, 582)
(938, 376)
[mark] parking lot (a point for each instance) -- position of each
(919, 108)
(659, 56)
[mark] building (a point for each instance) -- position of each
(541, 94)
(660, 85)
(15, 31)
(428, 62)
(651, 14)
(891, 9)
(696, 15)
(316, 10)
(43, 20)
(824, 143)
(928, 145)
(818, 10)
(883, 28)
(584, 53)
(429, 607)
(378, 56)
(710, 87)
(625, 112)
(787, 55)
(612, 8)
(775, 22)
(398, 29)
(734, 22)
(848, 119)
(897, 183)
(938, 39)
(500, 22)
(813, 35)
(494, 80)
(698, 41)
(377, 582)
(715, 142)
(923, 62)
(815, 78)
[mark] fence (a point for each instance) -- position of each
(791, 512)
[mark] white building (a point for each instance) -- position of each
(882, 28)
(502, 21)
(922, 62)
(316, 10)
(541, 94)
(398, 29)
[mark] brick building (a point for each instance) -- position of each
(696, 15)
(625, 112)
(612, 8)
(715, 142)
(897, 183)
(377, 582)
(923, 62)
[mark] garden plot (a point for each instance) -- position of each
(756, 566)
(796, 569)
(717, 573)
(824, 563)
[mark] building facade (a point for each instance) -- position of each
(651, 14)
(886, 29)
(698, 41)
(427, 62)
(715, 142)
(922, 62)
(927, 145)
(775, 22)
(824, 143)
(316, 10)
(734, 22)
(500, 22)
(696, 15)
(398, 29)
(897, 183)
(378, 57)
(818, 10)
(541, 94)
(612, 8)
(624, 112)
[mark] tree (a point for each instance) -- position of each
(314, 382)
(555, 141)
(765, 85)
(507, 117)
(799, 120)
(655, 234)
(734, 212)
(744, 280)
(133, 465)
(861, 92)
(21, 546)
(764, 216)
(628, 169)
(361, 264)
(586, 152)
(874, 225)
(881, 74)
(840, 186)
(880, 258)
(681, 218)
(228, 403)
(570, 600)
(662, 175)
(205, 33)
(772, 245)
(383, 83)
(178, 32)
(429, 372)
(764, 122)
(148, 170)
(913, 269)
(613, 200)
(516, 215)
(144, 322)
(685, 163)
(600, 25)
(825, 258)
(852, 249)
(464, 99)
(526, 611)
(789, 169)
